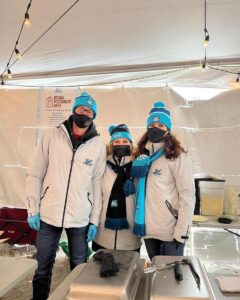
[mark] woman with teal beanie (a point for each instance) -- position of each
(116, 221)
(165, 195)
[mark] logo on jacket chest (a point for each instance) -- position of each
(157, 172)
(88, 162)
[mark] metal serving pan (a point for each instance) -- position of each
(122, 286)
(162, 283)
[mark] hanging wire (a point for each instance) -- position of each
(8, 66)
(26, 16)
(226, 71)
(205, 60)
(16, 43)
(207, 37)
(104, 83)
(54, 23)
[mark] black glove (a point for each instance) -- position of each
(176, 243)
(99, 255)
(108, 267)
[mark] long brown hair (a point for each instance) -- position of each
(172, 146)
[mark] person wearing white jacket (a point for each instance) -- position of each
(64, 190)
(165, 189)
(116, 222)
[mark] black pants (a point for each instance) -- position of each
(47, 244)
(157, 247)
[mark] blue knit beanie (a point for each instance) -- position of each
(86, 100)
(119, 131)
(159, 114)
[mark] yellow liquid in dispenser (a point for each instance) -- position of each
(211, 198)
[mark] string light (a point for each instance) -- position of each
(206, 41)
(9, 74)
(204, 65)
(27, 20)
(19, 56)
(206, 34)
(237, 84)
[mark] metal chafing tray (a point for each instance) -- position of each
(162, 284)
(122, 286)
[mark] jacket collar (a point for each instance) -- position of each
(91, 132)
(153, 147)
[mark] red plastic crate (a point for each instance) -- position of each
(13, 221)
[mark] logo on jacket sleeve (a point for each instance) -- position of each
(157, 172)
(88, 162)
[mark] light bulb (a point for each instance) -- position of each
(205, 43)
(207, 37)
(27, 20)
(19, 56)
(237, 84)
(9, 74)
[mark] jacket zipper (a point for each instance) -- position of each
(69, 176)
(115, 240)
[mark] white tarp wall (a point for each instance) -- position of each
(209, 130)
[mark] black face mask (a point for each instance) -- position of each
(82, 121)
(155, 134)
(121, 150)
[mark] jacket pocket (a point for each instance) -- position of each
(44, 193)
(172, 210)
(88, 196)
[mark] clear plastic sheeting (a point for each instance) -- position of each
(209, 130)
(217, 249)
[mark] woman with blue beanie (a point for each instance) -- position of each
(165, 187)
(116, 221)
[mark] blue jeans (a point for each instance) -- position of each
(47, 244)
(157, 247)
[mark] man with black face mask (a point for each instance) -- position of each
(64, 190)
(116, 223)
(165, 194)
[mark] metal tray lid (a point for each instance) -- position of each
(122, 286)
(163, 284)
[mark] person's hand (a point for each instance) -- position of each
(34, 222)
(92, 231)
(176, 243)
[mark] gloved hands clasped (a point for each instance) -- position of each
(92, 231)
(34, 222)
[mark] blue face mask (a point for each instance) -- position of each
(155, 134)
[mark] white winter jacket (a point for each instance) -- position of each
(63, 184)
(170, 198)
(125, 240)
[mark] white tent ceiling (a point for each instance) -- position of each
(130, 42)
